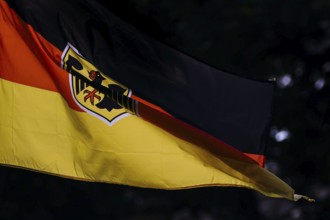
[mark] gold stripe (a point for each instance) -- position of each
(38, 131)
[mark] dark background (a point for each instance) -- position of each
(286, 40)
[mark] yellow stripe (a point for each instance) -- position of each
(39, 131)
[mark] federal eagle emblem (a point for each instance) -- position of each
(85, 83)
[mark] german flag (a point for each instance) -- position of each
(84, 95)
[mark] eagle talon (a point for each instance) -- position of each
(91, 95)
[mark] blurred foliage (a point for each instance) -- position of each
(256, 39)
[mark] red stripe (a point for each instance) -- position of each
(191, 134)
(27, 58)
(260, 159)
(163, 119)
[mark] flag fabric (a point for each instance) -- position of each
(84, 95)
